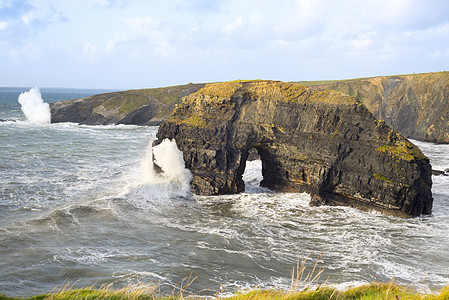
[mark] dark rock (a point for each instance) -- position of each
(439, 173)
(324, 143)
(137, 107)
(141, 116)
(253, 155)
(415, 105)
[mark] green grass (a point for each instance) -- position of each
(128, 101)
(319, 82)
(370, 291)
(404, 150)
(373, 291)
(382, 177)
(304, 285)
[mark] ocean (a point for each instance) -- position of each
(80, 206)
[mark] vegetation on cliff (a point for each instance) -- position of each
(138, 107)
(325, 143)
(287, 92)
(416, 105)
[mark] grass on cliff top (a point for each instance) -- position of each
(433, 75)
(143, 292)
(129, 101)
(328, 82)
(220, 89)
(319, 82)
(267, 89)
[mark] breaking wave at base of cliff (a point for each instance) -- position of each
(34, 108)
(163, 173)
(86, 202)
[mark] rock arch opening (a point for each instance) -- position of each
(324, 143)
(252, 175)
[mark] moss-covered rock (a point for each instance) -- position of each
(325, 143)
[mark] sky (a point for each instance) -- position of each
(125, 44)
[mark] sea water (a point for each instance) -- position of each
(84, 205)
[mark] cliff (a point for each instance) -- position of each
(138, 107)
(324, 143)
(415, 105)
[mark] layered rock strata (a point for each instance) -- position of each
(324, 143)
(137, 107)
(416, 105)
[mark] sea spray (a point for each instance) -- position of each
(164, 169)
(34, 108)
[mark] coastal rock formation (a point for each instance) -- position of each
(324, 143)
(137, 107)
(415, 105)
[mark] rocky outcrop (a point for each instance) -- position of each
(324, 143)
(415, 105)
(138, 107)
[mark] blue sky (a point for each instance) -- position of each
(124, 44)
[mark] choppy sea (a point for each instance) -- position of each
(78, 205)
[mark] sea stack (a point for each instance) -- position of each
(321, 142)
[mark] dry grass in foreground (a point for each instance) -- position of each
(303, 286)
(143, 292)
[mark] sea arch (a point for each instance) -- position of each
(324, 143)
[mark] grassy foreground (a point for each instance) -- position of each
(304, 285)
(370, 291)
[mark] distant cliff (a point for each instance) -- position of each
(321, 142)
(415, 105)
(138, 107)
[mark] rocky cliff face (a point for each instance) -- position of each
(415, 105)
(138, 107)
(324, 143)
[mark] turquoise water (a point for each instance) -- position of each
(76, 206)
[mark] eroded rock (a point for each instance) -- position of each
(324, 143)
(137, 107)
(415, 105)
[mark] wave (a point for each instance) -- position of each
(163, 173)
(34, 108)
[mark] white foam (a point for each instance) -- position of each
(173, 175)
(34, 108)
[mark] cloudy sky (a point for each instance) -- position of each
(124, 44)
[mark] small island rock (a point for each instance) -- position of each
(321, 142)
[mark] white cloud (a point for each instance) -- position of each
(141, 37)
(111, 45)
(30, 51)
(146, 26)
(229, 28)
(3, 25)
(4, 3)
(290, 37)
(165, 49)
(363, 41)
(28, 18)
(90, 52)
